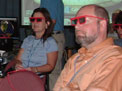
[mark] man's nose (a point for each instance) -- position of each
(78, 25)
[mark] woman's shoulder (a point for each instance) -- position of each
(50, 39)
(28, 38)
(51, 45)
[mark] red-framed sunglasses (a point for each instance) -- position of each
(37, 19)
(82, 19)
(116, 26)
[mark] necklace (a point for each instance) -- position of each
(35, 44)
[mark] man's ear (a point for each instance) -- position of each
(103, 28)
(103, 24)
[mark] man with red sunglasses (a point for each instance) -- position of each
(118, 27)
(98, 64)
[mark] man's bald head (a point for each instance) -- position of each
(97, 11)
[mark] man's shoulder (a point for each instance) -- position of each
(111, 51)
(116, 48)
(73, 57)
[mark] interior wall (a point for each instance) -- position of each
(10, 8)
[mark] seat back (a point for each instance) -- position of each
(21, 81)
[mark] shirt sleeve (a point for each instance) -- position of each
(24, 43)
(26, 40)
(51, 45)
(60, 82)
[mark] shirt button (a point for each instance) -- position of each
(86, 61)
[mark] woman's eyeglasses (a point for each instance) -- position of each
(82, 19)
(117, 26)
(36, 19)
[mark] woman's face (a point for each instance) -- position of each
(119, 31)
(39, 24)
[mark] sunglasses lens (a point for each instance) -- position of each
(74, 22)
(116, 26)
(121, 26)
(32, 19)
(82, 20)
(79, 20)
(36, 19)
(39, 19)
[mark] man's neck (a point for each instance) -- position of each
(96, 42)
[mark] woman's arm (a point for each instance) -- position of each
(18, 57)
(18, 61)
